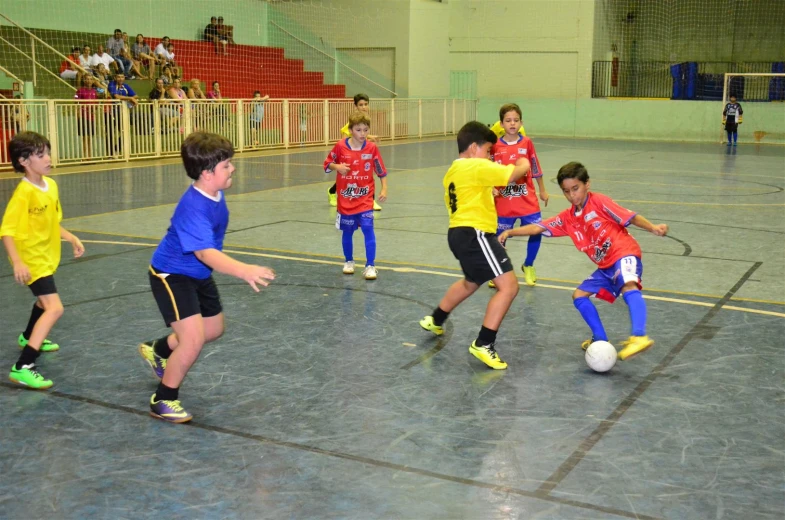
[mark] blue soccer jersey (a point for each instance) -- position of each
(199, 222)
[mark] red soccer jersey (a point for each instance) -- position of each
(519, 199)
(599, 230)
(355, 189)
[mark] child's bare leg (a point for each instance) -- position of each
(53, 310)
(190, 338)
(499, 304)
(457, 292)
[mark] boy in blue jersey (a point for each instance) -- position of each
(181, 271)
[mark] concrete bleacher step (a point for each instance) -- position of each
(245, 69)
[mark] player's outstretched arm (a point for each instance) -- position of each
(523, 231)
(223, 263)
(543, 191)
(658, 229)
(522, 169)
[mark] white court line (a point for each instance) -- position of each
(442, 273)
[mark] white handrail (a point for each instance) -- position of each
(395, 94)
(23, 53)
(45, 45)
(9, 73)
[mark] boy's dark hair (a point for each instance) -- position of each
(257, 92)
(358, 118)
(572, 170)
(509, 107)
(474, 132)
(25, 144)
(360, 97)
(203, 151)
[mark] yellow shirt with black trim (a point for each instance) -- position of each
(468, 192)
(33, 218)
(499, 130)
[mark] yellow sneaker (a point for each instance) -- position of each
(333, 198)
(487, 355)
(376, 206)
(428, 324)
(492, 285)
(586, 343)
(634, 346)
(529, 275)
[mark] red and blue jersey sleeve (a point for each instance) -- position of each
(557, 226)
(617, 213)
(332, 157)
(378, 163)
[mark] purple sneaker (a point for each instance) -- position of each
(156, 362)
(169, 411)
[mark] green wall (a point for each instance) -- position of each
(174, 18)
(640, 119)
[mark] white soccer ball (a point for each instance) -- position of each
(601, 356)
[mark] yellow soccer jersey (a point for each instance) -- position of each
(33, 218)
(468, 192)
(345, 132)
(499, 130)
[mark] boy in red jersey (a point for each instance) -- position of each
(356, 160)
(598, 227)
(518, 200)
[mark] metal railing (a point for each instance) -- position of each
(106, 131)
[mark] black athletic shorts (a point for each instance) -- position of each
(481, 255)
(179, 296)
(43, 286)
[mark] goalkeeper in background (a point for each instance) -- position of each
(731, 118)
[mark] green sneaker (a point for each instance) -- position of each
(428, 324)
(29, 377)
(46, 346)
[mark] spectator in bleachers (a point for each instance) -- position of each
(225, 32)
(103, 58)
(171, 115)
(137, 72)
(115, 46)
(142, 55)
(166, 51)
(125, 42)
(257, 115)
(84, 58)
(176, 91)
(211, 35)
(101, 74)
(68, 67)
(215, 93)
(85, 125)
(166, 75)
(195, 90)
(119, 90)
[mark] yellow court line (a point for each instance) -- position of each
(440, 273)
(702, 186)
(694, 203)
(432, 266)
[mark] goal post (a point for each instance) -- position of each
(752, 87)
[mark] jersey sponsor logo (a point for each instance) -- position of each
(523, 151)
(590, 215)
(366, 157)
(37, 211)
(596, 225)
(514, 190)
(602, 251)
(558, 222)
(355, 162)
(513, 157)
(367, 167)
(352, 191)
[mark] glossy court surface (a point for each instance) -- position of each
(324, 398)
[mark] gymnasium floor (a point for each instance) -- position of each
(324, 399)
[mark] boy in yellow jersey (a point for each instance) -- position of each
(31, 234)
(363, 104)
(468, 194)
